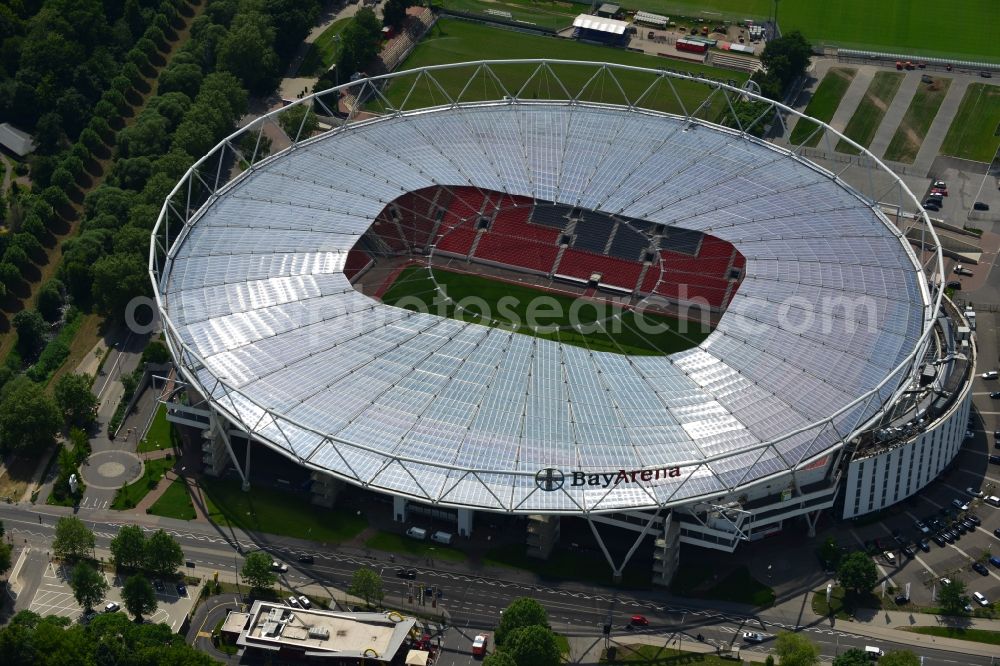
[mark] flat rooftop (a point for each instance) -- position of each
(273, 626)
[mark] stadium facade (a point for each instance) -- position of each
(837, 376)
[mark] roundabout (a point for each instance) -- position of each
(109, 470)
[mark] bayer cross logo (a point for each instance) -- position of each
(549, 479)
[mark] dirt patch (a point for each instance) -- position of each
(14, 482)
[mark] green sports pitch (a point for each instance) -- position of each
(455, 41)
(962, 30)
(581, 322)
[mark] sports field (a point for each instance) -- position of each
(963, 30)
(917, 120)
(545, 14)
(823, 105)
(871, 109)
(544, 315)
(454, 40)
(975, 132)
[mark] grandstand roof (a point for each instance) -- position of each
(261, 318)
(599, 24)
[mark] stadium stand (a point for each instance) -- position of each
(592, 233)
(628, 243)
(356, 262)
(529, 254)
(550, 215)
(684, 241)
(618, 272)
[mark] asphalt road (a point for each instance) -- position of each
(474, 602)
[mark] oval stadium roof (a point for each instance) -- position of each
(261, 317)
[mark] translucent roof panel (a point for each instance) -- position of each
(454, 412)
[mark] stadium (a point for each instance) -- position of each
(765, 339)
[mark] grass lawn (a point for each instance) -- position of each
(276, 512)
(977, 635)
(129, 496)
(917, 120)
(973, 132)
(908, 26)
(161, 433)
(563, 644)
(404, 545)
(545, 14)
(618, 330)
(662, 656)
(823, 104)
(321, 53)
(738, 587)
(83, 342)
(868, 116)
(175, 502)
(567, 565)
(454, 40)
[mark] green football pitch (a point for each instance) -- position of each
(962, 30)
(454, 40)
(580, 322)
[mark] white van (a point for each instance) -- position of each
(417, 533)
(442, 537)
(873, 652)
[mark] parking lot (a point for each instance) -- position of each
(55, 597)
(935, 508)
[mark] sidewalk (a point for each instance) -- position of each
(588, 649)
(890, 626)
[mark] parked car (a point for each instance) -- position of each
(158, 584)
(939, 184)
(924, 545)
(996, 532)
(939, 540)
(939, 190)
(995, 460)
(293, 602)
(182, 590)
(990, 374)
(479, 645)
(986, 74)
(960, 505)
(280, 567)
(979, 205)
(973, 518)
(111, 607)
(972, 491)
(980, 599)
(304, 600)
(980, 569)
(901, 599)
(909, 552)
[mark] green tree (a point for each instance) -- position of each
(292, 121)
(31, 329)
(857, 573)
(522, 612)
(50, 300)
(359, 43)
(853, 657)
(532, 646)
(128, 547)
(247, 52)
(75, 399)
(118, 278)
(155, 352)
(5, 557)
(829, 553)
(10, 276)
(787, 57)
(367, 584)
(163, 554)
(61, 489)
(952, 598)
(73, 539)
(499, 658)
(769, 660)
(88, 585)
(257, 572)
(795, 650)
(29, 419)
(184, 78)
(899, 658)
(394, 12)
(138, 597)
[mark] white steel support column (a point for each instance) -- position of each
(399, 509)
(465, 522)
(616, 571)
(219, 425)
(246, 471)
(811, 520)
